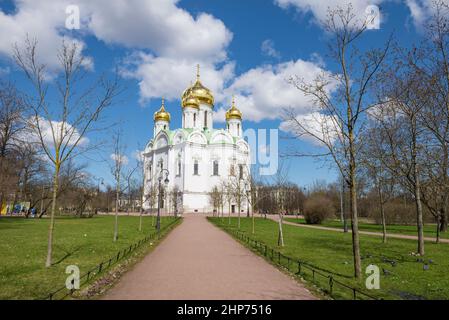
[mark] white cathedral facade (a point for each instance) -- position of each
(197, 157)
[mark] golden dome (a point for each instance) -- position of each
(190, 101)
(161, 114)
(233, 113)
(198, 91)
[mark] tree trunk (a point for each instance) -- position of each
(382, 214)
(140, 219)
(419, 217)
(353, 208)
(384, 223)
(445, 165)
(281, 233)
(239, 209)
(254, 222)
(418, 204)
(117, 195)
(437, 240)
(345, 217)
(52, 216)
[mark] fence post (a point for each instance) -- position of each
(299, 267)
(354, 294)
(331, 284)
(279, 257)
(265, 250)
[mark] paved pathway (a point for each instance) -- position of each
(199, 261)
(370, 233)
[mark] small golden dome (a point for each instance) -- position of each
(198, 91)
(161, 114)
(233, 113)
(190, 101)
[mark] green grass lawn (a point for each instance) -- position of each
(332, 251)
(83, 242)
(429, 230)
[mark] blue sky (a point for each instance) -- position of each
(246, 48)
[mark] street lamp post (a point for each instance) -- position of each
(161, 176)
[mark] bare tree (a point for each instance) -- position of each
(229, 195)
(280, 181)
(341, 99)
(214, 199)
(373, 160)
(12, 107)
(431, 62)
(403, 132)
(237, 187)
(141, 171)
(62, 128)
(118, 162)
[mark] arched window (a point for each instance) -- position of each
(165, 127)
(232, 170)
(194, 119)
(178, 167)
(215, 168)
(205, 119)
(238, 128)
(150, 172)
(195, 168)
(240, 171)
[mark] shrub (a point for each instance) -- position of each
(317, 208)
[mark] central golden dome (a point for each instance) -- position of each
(198, 91)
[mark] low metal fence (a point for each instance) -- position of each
(62, 292)
(299, 267)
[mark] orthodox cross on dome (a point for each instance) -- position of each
(198, 71)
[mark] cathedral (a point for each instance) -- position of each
(190, 161)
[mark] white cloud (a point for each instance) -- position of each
(42, 20)
(312, 124)
(268, 49)
(70, 135)
(220, 115)
(319, 9)
(171, 34)
(159, 25)
(263, 92)
(4, 71)
(421, 10)
(138, 155)
(120, 158)
(169, 77)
